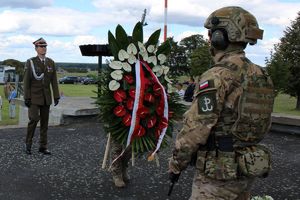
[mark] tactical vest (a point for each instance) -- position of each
(231, 149)
(253, 119)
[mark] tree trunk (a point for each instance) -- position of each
(298, 102)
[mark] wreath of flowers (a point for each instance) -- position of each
(136, 101)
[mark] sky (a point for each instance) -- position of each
(66, 24)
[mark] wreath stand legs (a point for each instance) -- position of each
(107, 149)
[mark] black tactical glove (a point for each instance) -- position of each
(27, 102)
(173, 177)
(56, 101)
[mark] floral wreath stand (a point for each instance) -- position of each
(136, 101)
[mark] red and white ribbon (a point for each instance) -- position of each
(138, 100)
(166, 107)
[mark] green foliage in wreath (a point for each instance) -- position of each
(117, 90)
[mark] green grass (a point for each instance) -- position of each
(78, 90)
(283, 103)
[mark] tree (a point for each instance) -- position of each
(287, 54)
(180, 58)
(177, 60)
(17, 64)
(201, 60)
(190, 44)
(278, 70)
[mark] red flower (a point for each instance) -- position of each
(171, 113)
(157, 89)
(148, 82)
(157, 133)
(143, 112)
(119, 111)
(132, 92)
(163, 123)
(139, 131)
(151, 122)
(149, 97)
(119, 95)
(159, 110)
(127, 119)
(128, 78)
(129, 103)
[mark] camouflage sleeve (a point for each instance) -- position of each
(27, 80)
(201, 117)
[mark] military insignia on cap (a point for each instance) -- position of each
(41, 42)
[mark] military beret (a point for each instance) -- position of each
(40, 42)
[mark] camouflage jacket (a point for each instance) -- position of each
(218, 91)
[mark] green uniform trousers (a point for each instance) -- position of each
(38, 113)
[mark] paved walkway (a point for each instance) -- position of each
(74, 171)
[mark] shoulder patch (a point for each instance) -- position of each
(206, 84)
(207, 102)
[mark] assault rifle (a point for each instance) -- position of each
(173, 178)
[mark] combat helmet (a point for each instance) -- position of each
(239, 24)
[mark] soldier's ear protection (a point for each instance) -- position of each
(219, 39)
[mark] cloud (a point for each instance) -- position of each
(71, 26)
(25, 3)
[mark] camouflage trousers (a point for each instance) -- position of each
(121, 164)
(205, 188)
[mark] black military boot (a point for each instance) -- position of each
(45, 151)
(28, 149)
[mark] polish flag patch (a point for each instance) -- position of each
(203, 85)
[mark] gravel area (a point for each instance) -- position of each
(73, 171)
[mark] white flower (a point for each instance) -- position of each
(117, 74)
(131, 59)
(265, 197)
(144, 54)
(170, 88)
(168, 79)
(158, 70)
(123, 55)
(162, 58)
(115, 65)
(151, 48)
(126, 67)
(113, 85)
(152, 59)
(141, 47)
(165, 69)
(131, 49)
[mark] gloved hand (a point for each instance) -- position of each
(56, 101)
(173, 177)
(27, 102)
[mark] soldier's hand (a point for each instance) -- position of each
(56, 101)
(27, 102)
(173, 177)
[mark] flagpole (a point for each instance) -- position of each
(165, 21)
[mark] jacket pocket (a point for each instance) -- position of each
(221, 165)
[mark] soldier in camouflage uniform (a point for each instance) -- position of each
(229, 116)
(119, 167)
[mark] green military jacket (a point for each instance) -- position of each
(37, 79)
